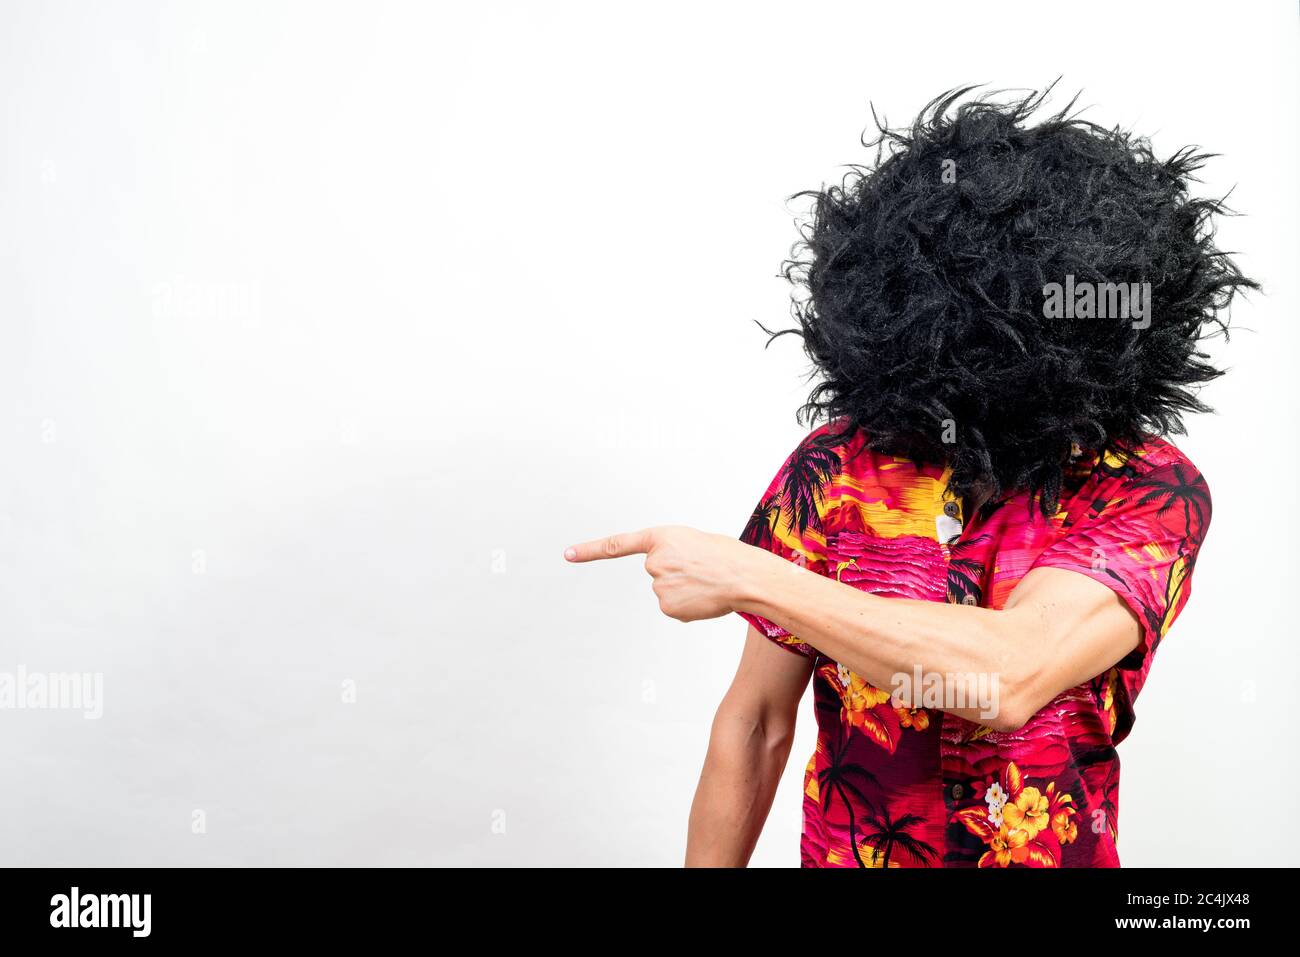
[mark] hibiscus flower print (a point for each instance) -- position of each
(1021, 824)
(869, 710)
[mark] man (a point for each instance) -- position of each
(977, 557)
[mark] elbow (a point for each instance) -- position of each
(1024, 675)
(1009, 718)
(1017, 701)
(755, 731)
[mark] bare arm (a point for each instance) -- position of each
(1057, 629)
(748, 748)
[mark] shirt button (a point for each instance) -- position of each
(950, 509)
(957, 792)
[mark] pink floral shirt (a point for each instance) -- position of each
(891, 786)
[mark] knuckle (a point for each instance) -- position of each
(611, 545)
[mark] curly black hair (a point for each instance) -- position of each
(920, 285)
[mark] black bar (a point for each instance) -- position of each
(440, 906)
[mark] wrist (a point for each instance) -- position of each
(750, 577)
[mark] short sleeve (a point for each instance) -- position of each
(790, 519)
(1141, 539)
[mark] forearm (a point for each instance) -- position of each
(881, 638)
(746, 758)
(1056, 629)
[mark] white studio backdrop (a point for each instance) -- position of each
(327, 326)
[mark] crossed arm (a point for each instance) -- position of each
(1056, 630)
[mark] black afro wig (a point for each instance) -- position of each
(921, 292)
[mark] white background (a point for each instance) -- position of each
(327, 326)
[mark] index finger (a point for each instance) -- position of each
(612, 546)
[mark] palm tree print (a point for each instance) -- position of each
(1190, 492)
(890, 834)
(965, 572)
(758, 530)
(812, 465)
(839, 778)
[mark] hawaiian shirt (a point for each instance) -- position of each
(892, 786)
